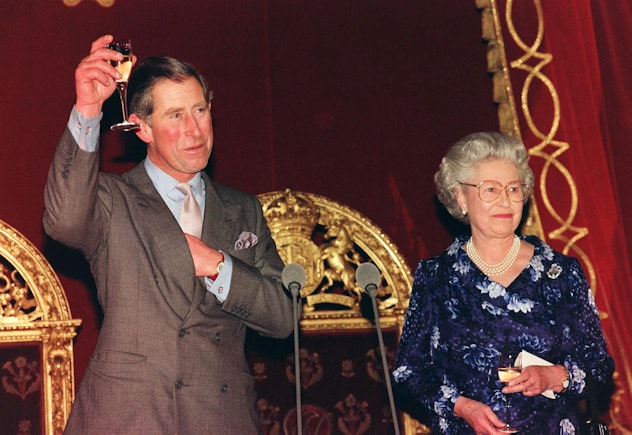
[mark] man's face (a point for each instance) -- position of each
(180, 138)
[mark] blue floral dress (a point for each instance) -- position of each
(458, 321)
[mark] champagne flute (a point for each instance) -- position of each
(124, 67)
(508, 370)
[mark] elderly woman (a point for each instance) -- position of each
(493, 291)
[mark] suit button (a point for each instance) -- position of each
(182, 333)
(179, 384)
(223, 388)
(217, 336)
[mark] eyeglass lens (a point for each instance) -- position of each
(490, 190)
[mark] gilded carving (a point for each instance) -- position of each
(16, 301)
(103, 3)
(34, 309)
(330, 240)
(532, 61)
(528, 72)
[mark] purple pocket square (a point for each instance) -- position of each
(246, 240)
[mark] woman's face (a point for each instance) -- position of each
(498, 218)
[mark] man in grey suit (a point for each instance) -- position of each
(170, 354)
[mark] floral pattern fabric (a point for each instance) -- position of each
(459, 320)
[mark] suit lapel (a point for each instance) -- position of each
(220, 220)
(165, 242)
(164, 238)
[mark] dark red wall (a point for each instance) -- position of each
(355, 100)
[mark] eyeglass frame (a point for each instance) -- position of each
(502, 189)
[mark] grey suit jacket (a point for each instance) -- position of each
(169, 357)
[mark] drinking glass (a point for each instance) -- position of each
(124, 67)
(508, 370)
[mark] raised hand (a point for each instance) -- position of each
(95, 78)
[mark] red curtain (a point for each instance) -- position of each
(353, 100)
(569, 64)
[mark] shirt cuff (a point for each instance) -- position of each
(84, 130)
(220, 287)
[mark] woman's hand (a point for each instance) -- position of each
(478, 415)
(535, 380)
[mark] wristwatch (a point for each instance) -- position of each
(218, 269)
(566, 382)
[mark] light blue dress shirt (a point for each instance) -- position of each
(86, 133)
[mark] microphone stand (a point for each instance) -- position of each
(293, 277)
(372, 291)
(294, 288)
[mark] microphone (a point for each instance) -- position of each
(293, 278)
(368, 279)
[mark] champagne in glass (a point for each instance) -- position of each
(508, 370)
(124, 67)
(506, 374)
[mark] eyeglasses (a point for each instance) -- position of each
(488, 190)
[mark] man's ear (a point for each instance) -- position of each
(144, 132)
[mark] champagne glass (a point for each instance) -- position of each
(124, 67)
(508, 370)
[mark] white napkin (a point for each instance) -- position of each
(526, 359)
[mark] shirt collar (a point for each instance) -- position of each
(165, 183)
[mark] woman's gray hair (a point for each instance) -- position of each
(462, 157)
(152, 71)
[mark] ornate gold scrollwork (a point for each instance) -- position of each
(103, 3)
(532, 62)
(34, 309)
(330, 240)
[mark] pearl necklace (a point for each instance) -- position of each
(498, 268)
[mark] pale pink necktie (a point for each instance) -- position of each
(190, 214)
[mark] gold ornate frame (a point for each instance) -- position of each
(527, 70)
(532, 61)
(330, 240)
(499, 69)
(34, 310)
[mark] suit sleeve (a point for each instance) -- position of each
(72, 213)
(256, 292)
